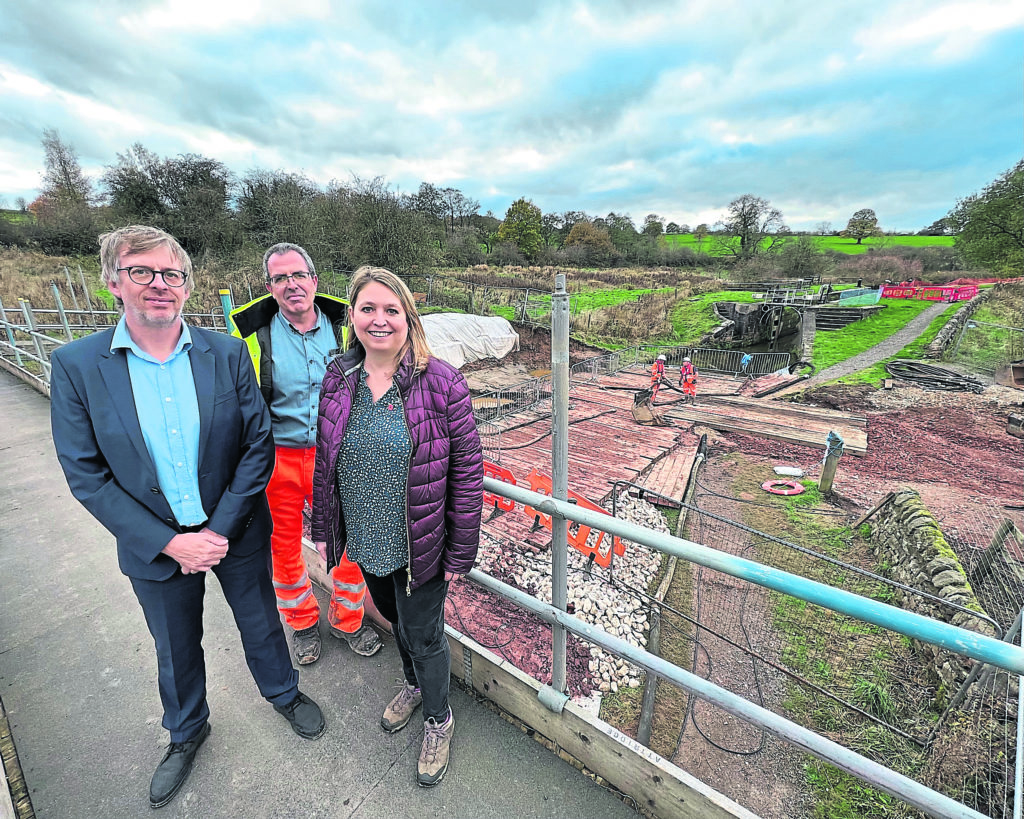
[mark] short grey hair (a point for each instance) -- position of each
(280, 249)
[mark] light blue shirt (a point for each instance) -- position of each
(168, 411)
(300, 362)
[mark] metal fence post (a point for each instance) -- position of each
(60, 311)
(71, 288)
(227, 306)
(26, 310)
(88, 301)
(559, 471)
(10, 335)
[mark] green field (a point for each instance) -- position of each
(16, 216)
(839, 244)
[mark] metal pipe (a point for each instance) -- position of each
(978, 646)
(227, 306)
(559, 471)
(879, 776)
(10, 335)
(1018, 776)
(60, 311)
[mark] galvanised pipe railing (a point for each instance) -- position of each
(978, 646)
(879, 776)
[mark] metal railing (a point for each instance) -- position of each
(989, 650)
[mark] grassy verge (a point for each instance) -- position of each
(854, 660)
(693, 317)
(913, 351)
(838, 345)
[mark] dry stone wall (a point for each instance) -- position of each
(908, 539)
(953, 327)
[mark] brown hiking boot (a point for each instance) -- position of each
(401, 708)
(307, 645)
(433, 762)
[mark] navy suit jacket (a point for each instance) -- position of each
(101, 449)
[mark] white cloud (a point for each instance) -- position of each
(950, 31)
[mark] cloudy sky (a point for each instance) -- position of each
(639, 106)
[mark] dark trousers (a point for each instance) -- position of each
(174, 614)
(418, 625)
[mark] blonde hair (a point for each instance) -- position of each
(138, 239)
(417, 337)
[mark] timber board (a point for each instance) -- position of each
(658, 786)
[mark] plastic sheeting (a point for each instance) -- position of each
(458, 338)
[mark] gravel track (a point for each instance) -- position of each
(881, 351)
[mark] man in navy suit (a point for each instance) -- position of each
(164, 437)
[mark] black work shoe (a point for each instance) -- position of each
(174, 768)
(307, 644)
(304, 716)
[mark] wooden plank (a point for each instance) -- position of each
(855, 440)
(657, 785)
(786, 408)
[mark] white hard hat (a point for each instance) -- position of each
(661, 357)
(686, 359)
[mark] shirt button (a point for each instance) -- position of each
(168, 400)
(180, 463)
(185, 497)
(174, 432)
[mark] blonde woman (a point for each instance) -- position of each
(397, 487)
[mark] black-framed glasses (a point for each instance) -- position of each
(298, 276)
(145, 275)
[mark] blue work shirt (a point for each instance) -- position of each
(168, 411)
(300, 362)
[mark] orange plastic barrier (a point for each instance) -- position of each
(580, 538)
(502, 474)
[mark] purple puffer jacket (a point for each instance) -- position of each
(445, 484)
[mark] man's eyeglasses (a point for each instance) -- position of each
(145, 275)
(298, 276)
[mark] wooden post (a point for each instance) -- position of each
(833, 452)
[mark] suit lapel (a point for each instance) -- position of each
(113, 369)
(204, 372)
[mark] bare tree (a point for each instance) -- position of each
(751, 225)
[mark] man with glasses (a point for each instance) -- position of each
(292, 333)
(163, 436)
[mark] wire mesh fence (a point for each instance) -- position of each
(864, 686)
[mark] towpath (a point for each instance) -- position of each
(880, 352)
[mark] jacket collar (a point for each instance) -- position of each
(258, 313)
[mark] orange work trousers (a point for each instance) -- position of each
(690, 387)
(290, 487)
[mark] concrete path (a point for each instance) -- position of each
(78, 682)
(871, 356)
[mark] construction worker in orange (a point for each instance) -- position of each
(292, 333)
(657, 376)
(688, 381)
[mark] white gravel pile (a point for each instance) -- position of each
(594, 598)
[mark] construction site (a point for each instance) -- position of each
(815, 480)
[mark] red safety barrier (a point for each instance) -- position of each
(930, 292)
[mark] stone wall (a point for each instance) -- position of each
(951, 331)
(908, 539)
(742, 326)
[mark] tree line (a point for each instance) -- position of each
(220, 216)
